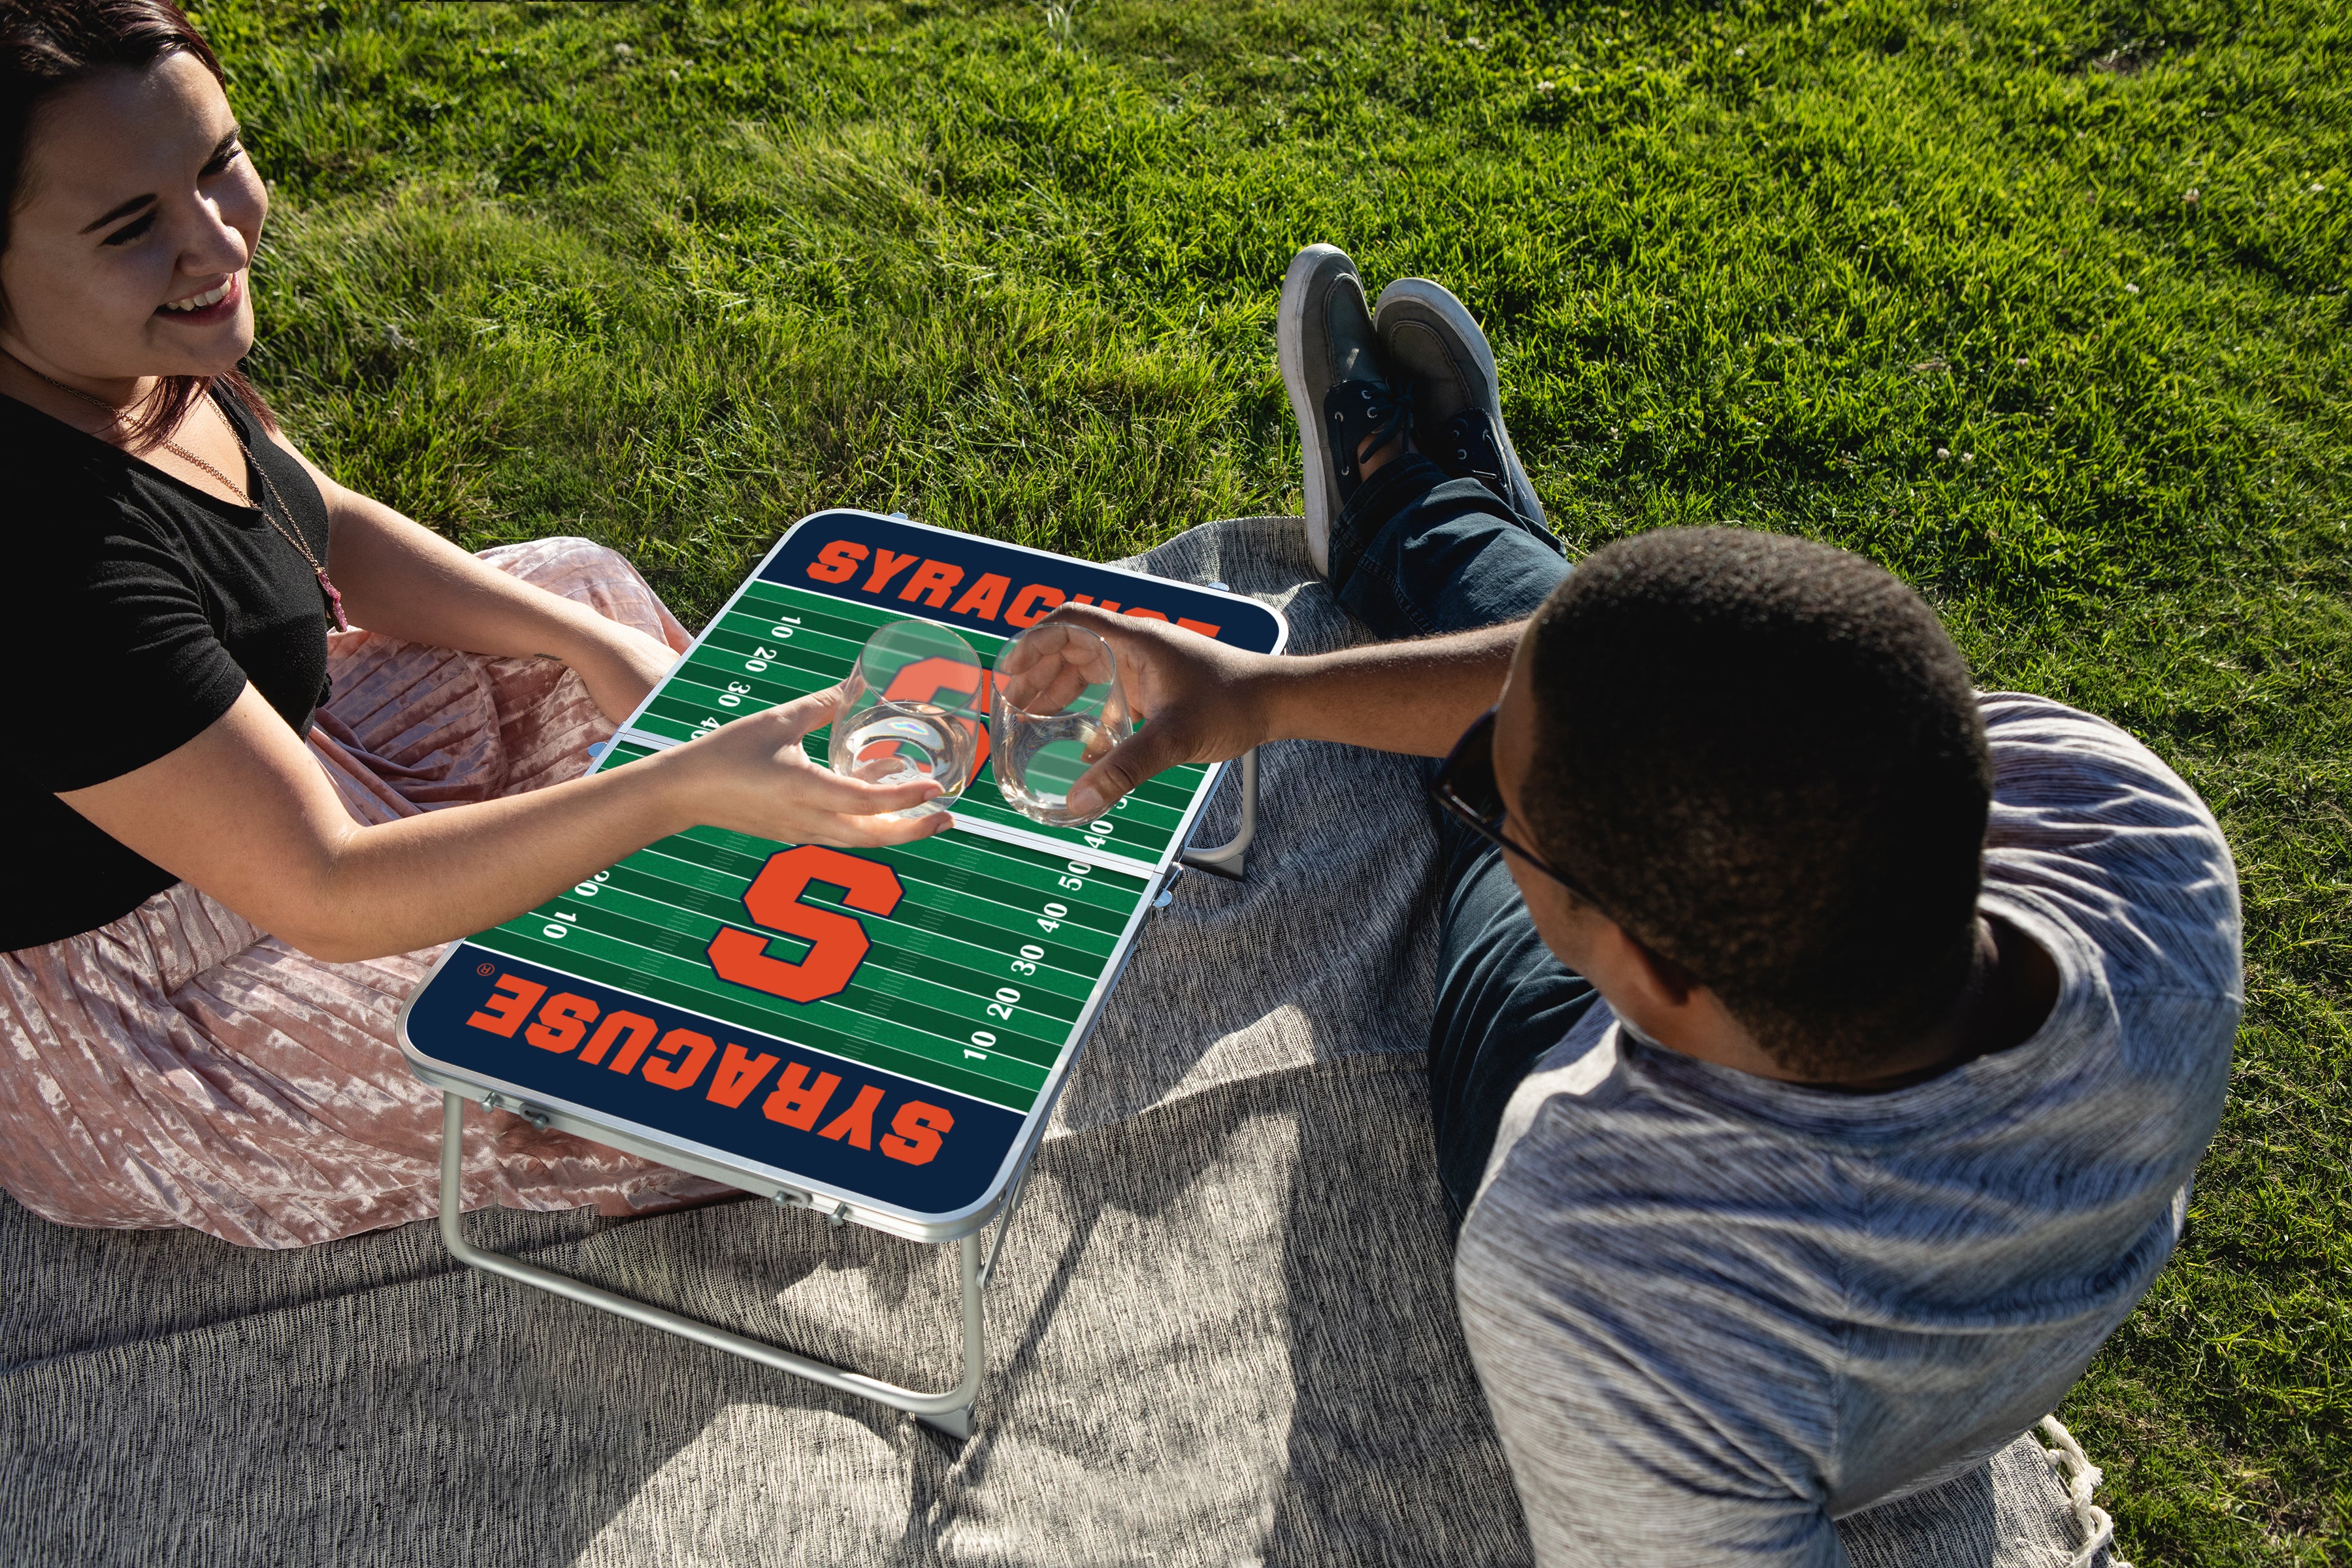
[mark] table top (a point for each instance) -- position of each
(880, 1033)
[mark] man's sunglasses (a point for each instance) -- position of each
(1464, 787)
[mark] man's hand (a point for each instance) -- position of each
(1205, 701)
(1208, 702)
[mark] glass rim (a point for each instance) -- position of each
(945, 643)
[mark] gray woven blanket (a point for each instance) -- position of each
(1223, 1331)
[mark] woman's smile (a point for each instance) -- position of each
(218, 303)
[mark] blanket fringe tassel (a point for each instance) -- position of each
(2073, 1467)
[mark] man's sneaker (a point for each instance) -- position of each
(1436, 347)
(1338, 380)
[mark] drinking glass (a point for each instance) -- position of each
(1057, 711)
(913, 712)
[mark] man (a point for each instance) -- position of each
(1821, 1052)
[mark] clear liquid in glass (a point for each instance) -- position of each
(1044, 759)
(900, 742)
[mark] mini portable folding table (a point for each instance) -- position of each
(877, 1034)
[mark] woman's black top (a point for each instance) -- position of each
(139, 609)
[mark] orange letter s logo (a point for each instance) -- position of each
(837, 942)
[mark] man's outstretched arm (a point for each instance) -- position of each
(1207, 703)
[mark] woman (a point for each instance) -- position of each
(243, 834)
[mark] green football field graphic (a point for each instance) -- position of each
(979, 977)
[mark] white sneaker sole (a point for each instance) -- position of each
(1439, 302)
(1290, 353)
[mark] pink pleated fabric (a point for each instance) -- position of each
(181, 1067)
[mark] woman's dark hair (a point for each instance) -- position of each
(1764, 757)
(47, 45)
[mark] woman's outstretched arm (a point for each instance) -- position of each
(245, 813)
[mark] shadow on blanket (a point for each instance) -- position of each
(1223, 1330)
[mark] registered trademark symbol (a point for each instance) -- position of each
(486, 969)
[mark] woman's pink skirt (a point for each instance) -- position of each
(181, 1067)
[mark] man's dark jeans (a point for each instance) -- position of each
(1416, 555)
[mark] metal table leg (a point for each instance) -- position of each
(1228, 859)
(951, 1411)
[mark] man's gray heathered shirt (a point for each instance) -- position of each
(1714, 1312)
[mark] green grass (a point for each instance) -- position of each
(1012, 269)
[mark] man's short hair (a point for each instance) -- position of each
(1764, 757)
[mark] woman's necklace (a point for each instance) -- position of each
(293, 535)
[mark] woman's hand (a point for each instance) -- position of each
(619, 665)
(752, 776)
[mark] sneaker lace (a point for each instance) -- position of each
(1400, 418)
(1385, 410)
